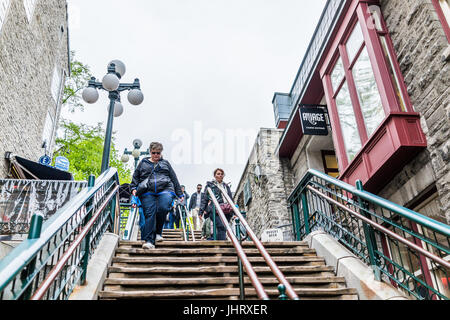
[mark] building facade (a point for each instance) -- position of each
(34, 62)
(380, 70)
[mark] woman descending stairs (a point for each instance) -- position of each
(178, 269)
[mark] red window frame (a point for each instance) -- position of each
(444, 22)
(360, 11)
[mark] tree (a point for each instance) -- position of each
(83, 146)
(80, 74)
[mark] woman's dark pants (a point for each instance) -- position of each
(155, 212)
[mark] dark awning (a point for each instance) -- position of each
(35, 170)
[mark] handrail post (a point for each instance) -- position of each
(241, 274)
(305, 209)
(369, 235)
(297, 230)
(214, 224)
(91, 183)
(282, 290)
(34, 233)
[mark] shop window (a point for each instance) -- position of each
(374, 124)
(443, 11)
(330, 164)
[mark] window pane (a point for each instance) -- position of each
(338, 74)
(393, 74)
(347, 120)
(368, 94)
(354, 42)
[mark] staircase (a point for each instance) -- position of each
(209, 270)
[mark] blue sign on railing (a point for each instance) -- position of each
(62, 163)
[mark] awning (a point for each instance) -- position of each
(26, 169)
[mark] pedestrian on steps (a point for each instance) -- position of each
(206, 209)
(156, 185)
(194, 207)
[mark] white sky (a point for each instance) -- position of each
(208, 71)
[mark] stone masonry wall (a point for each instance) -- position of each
(423, 54)
(268, 207)
(29, 52)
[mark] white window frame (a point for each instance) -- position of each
(4, 8)
(49, 125)
(29, 5)
(56, 84)
(445, 6)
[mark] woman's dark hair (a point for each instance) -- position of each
(218, 169)
(156, 146)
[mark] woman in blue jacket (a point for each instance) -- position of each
(156, 185)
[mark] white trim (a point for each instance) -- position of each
(29, 5)
(4, 8)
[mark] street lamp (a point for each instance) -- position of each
(111, 83)
(136, 153)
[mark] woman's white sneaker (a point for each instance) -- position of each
(148, 245)
(159, 238)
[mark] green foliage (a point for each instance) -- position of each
(80, 74)
(83, 146)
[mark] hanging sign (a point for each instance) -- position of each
(62, 163)
(313, 121)
(45, 160)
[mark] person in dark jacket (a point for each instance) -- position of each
(206, 208)
(194, 207)
(156, 185)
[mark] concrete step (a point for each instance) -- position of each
(161, 251)
(223, 244)
(205, 281)
(140, 271)
(329, 293)
(214, 259)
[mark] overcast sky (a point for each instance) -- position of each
(208, 71)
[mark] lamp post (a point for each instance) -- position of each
(111, 83)
(136, 153)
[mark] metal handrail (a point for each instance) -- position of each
(131, 221)
(22, 271)
(388, 205)
(383, 229)
(271, 263)
(190, 223)
(182, 221)
(240, 251)
(409, 249)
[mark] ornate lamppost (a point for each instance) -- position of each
(111, 83)
(136, 153)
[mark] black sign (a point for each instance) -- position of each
(313, 121)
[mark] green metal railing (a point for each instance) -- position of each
(405, 248)
(54, 258)
(285, 288)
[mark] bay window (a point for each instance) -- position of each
(374, 124)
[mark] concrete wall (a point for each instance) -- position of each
(423, 54)
(29, 52)
(268, 207)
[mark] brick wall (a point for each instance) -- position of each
(29, 52)
(421, 46)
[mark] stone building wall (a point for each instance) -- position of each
(423, 52)
(29, 52)
(268, 207)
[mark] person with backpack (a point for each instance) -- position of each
(206, 208)
(156, 185)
